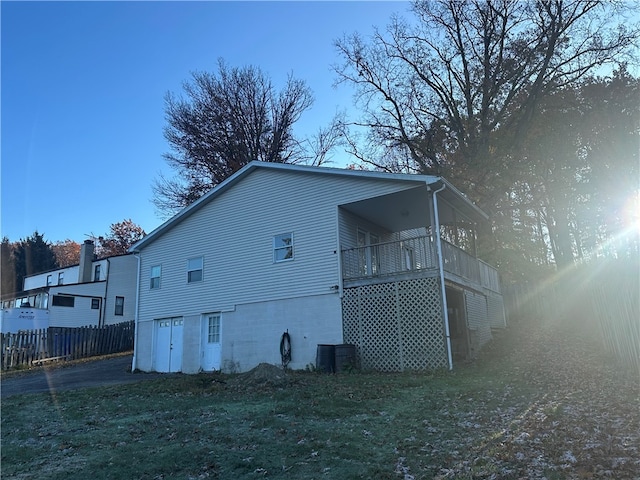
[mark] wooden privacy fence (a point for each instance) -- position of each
(602, 298)
(615, 301)
(57, 343)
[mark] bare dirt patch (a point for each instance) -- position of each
(264, 375)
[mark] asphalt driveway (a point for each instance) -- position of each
(114, 370)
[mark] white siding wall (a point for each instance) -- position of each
(70, 275)
(81, 313)
(234, 233)
(121, 283)
(104, 265)
(40, 279)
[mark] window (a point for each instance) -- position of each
(119, 306)
(213, 328)
(49, 280)
(96, 273)
(154, 282)
(60, 278)
(283, 247)
(194, 270)
(63, 301)
(95, 304)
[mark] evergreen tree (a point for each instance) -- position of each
(7, 268)
(32, 255)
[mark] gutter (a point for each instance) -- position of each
(136, 318)
(445, 312)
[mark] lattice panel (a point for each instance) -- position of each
(379, 328)
(420, 315)
(396, 325)
(351, 316)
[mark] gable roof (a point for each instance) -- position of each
(454, 196)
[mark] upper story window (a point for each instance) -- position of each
(96, 273)
(283, 247)
(194, 270)
(49, 280)
(60, 278)
(119, 306)
(154, 281)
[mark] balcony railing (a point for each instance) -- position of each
(415, 254)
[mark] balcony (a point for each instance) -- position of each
(416, 256)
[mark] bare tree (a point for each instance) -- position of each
(457, 87)
(454, 91)
(227, 120)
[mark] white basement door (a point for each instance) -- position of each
(211, 351)
(169, 334)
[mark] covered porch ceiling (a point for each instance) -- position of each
(408, 209)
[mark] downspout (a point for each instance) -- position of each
(106, 293)
(445, 312)
(339, 253)
(135, 322)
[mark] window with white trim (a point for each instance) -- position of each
(60, 278)
(49, 280)
(283, 247)
(194, 270)
(154, 281)
(96, 273)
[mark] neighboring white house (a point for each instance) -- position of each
(331, 256)
(94, 292)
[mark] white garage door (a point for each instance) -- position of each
(168, 352)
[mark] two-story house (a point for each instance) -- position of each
(95, 292)
(331, 256)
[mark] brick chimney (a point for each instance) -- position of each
(86, 261)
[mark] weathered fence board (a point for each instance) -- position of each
(604, 296)
(37, 346)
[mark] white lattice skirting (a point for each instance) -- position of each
(397, 325)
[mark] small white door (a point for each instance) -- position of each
(168, 353)
(211, 336)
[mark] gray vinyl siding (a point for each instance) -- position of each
(234, 235)
(349, 225)
(477, 320)
(121, 283)
(495, 308)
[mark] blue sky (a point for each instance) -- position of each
(83, 85)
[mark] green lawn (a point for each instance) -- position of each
(541, 402)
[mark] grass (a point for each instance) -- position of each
(541, 402)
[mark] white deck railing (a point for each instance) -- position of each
(415, 254)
